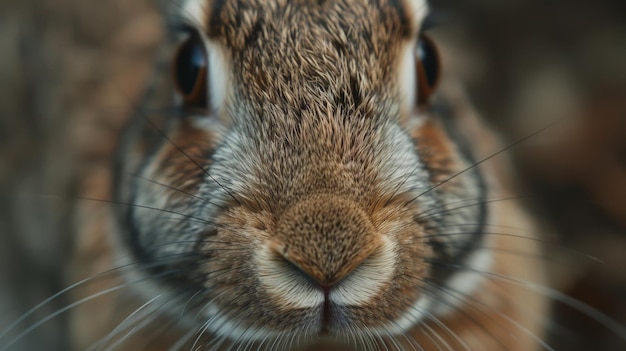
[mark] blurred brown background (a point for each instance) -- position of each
(71, 71)
(534, 62)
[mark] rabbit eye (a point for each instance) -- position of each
(190, 71)
(428, 69)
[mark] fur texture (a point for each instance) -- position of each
(311, 204)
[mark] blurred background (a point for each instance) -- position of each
(529, 63)
(72, 70)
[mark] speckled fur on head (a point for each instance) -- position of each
(314, 202)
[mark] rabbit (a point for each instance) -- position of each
(313, 192)
(320, 184)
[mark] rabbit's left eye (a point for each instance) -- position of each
(190, 69)
(428, 69)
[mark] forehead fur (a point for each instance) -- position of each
(239, 20)
(292, 56)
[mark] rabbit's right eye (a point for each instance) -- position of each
(428, 69)
(190, 71)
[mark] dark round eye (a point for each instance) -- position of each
(428, 69)
(190, 71)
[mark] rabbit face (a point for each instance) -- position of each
(309, 198)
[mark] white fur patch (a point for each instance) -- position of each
(219, 324)
(367, 280)
(463, 283)
(219, 78)
(285, 283)
(235, 166)
(410, 318)
(466, 281)
(407, 76)
(417, 9)
(401, 169)
(194, 11)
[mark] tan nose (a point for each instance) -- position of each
(326, 237)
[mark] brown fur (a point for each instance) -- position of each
(314, 95)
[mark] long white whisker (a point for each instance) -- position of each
(69, 307)
(122, 325)
(556, 295)
(464, 298)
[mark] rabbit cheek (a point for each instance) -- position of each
(435, 150)
(455, 222)
(169, 182)
(182, 163)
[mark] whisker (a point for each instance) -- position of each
(113, 202)
(150, 317)
(71, 306)
(522, 237)
(94, 277)
(291, 341)
(360, 340)
(470, 301)
(178, 220)
(182, 340)
(205, 327)
(431, 335)
(203, 200)
(448, 331)
(103, 341)
(261, 345)
(157, 332)
(434, 210)
(370, 339)
(157, 261)
(276, 339)
(390, 337)
(554, 294)
(485, 159)
(540, 256)
(184, 153)
(414, 344)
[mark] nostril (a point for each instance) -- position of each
(293, 265)
(293, 269)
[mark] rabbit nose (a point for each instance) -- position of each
(326, 237)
